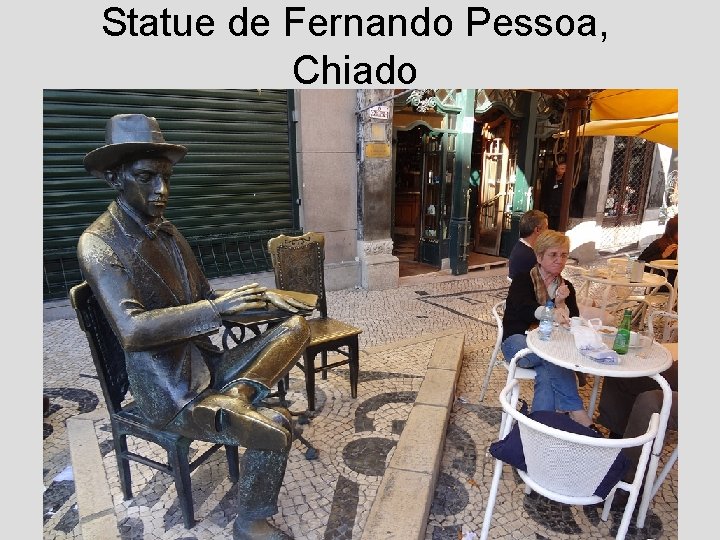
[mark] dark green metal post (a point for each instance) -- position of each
(459, 230)
(524, 170)
(526, 157)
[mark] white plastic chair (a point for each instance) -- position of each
(520, 373)
(567, 467)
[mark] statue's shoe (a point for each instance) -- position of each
(258, 529)
(234, 421)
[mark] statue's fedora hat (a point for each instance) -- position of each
(133, 136)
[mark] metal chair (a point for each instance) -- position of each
(669, 326)
(568, 467)
(663, 297)
(520, 373)
(299, 265)
(125, 418)
(669, 321)
(665, 471)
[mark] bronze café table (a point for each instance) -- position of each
(649, 362)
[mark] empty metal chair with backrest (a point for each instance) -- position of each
(299, 265)
(126, 420)
(569, 467)
(669, 322)
(520, 373)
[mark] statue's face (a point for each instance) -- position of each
(145, 186)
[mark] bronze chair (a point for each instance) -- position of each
(126, 420)
(298, 262)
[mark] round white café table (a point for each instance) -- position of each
(663, 264)
(561, 350)
(604, 277)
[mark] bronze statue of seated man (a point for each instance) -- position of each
(162, 310)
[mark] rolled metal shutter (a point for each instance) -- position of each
(235, 188)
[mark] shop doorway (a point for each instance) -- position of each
(494, 156)
(408, 185)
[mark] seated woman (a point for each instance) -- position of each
(555, 387)
(665, 248)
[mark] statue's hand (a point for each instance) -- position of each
(243, 298)
(286, 302)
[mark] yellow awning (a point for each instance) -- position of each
(614, 104)
(661, 129)
(649, 113)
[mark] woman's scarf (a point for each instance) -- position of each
(543, 294)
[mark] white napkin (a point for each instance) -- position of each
(589, 343)
(586, 338)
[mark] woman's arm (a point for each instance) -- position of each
(571, 301)
(653, 252)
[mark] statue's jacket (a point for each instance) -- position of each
(157, 309)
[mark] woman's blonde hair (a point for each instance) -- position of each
(550, 238)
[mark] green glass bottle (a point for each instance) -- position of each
(622, 338)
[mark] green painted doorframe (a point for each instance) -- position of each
(459, 242)
(526, 153)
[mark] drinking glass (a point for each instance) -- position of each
(646, 339)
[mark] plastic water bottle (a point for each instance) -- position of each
(546, 320)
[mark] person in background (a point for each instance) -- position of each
(522, 257)
(555, 386)
(551, 196)
(665, 247)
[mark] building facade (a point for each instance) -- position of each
(445, 171)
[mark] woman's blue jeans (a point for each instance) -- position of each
(555, 386)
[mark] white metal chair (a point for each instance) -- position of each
(619, 263)
(567, 467)
(663, 297)
(670, 333)
(669, 324)
(652, 301)
(665, 471)
(520, 373)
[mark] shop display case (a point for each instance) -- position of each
(436, 195)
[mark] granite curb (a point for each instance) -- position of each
(402, 505)
(94, 499)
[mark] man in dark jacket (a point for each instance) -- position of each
(522, 257)
(551, 196)
(162, 308)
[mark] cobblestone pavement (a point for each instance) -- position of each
(330, 498)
